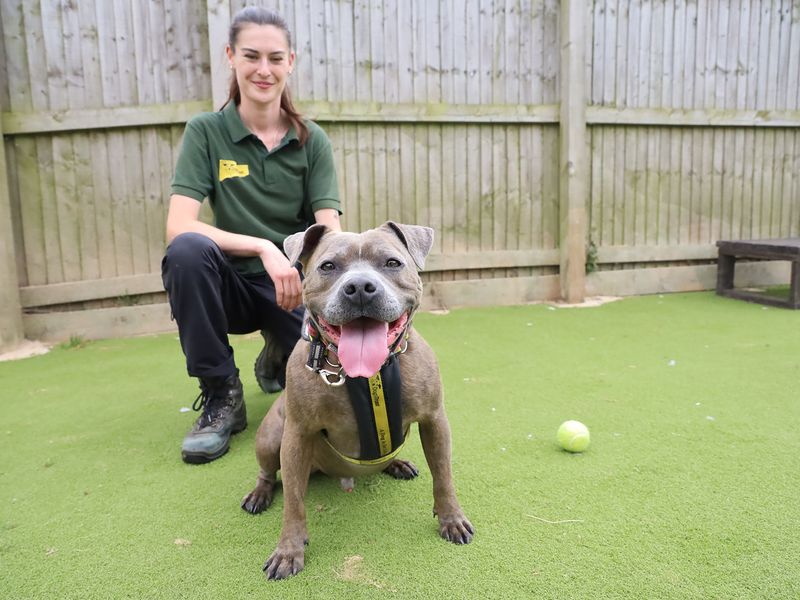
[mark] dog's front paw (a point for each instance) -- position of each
(259, 499)
(402, 469)
(287, 560)
(456, 528)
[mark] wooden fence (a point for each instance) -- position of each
(524, 131)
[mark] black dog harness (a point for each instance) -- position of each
(376, 401)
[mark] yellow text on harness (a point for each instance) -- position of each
(379, 411)
(229, 168)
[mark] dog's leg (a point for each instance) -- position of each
(435, 435)
(289, 556)
(268, 452)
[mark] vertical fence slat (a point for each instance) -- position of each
(794, 212)
(303, 78)
(394, 66)
(366, 201)
(431, 208)
(218, 19)
(18, 94)
(551, 57)
(785, 173)
(5, 99)
(361, 41)
(84, 51)
(11, 332)
(36, 157)
(419, 196)
(61, 94)
(375, 18)
(793, 72)
(378, 175)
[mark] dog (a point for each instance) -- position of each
(356, 382)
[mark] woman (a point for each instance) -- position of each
(267, 174)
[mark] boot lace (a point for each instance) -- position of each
(211, 405)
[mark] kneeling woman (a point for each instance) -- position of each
(267, 173)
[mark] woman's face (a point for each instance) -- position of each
(262, 61)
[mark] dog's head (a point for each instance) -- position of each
(362, 288)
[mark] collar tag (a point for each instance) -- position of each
(316, 355)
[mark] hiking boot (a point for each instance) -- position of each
(270, 366)
(224, 414)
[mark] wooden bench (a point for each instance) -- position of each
(785, 249)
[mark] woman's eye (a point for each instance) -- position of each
(393, 263)
(327, 266)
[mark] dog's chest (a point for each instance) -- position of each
(368, 419)
(342, 420)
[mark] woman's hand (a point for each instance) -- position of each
(288, 289)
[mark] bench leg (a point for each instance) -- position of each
(794, 285)
(726, 264)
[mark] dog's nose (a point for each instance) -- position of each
(361, 290)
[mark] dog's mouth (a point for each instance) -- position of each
(363, 343)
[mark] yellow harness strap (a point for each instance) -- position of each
(379, 412)
(356, 461)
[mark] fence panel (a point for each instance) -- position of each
(443, 113)
(695, 184)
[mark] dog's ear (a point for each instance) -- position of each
(300, 246)
(418, 240)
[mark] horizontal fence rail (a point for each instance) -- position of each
(326, 112)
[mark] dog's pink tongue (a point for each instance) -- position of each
(363, 347)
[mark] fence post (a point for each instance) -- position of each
(11, 332)
(574, 171)
(219, 19)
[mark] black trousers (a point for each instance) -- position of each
(209, 299)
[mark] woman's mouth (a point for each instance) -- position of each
(263, 85)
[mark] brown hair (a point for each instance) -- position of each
(257, 15)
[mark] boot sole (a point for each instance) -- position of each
(201, 458)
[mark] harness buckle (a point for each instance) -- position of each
(326, 375)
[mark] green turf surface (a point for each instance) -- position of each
(689, 489)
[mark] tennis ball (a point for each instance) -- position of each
(573, 436)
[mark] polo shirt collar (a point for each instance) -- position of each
(291, 135)
(233, 123)
(237, 129)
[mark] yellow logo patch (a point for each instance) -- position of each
(229, 168)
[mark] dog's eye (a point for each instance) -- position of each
(393, 263)
(327, 266)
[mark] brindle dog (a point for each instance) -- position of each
(360, 291)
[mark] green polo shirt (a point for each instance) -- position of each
(253, 191)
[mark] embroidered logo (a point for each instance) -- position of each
(229, 168)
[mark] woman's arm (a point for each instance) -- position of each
(183, 218)
(329, 217)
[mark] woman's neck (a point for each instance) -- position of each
(260, 119)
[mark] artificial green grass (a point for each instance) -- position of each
(689, 489)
